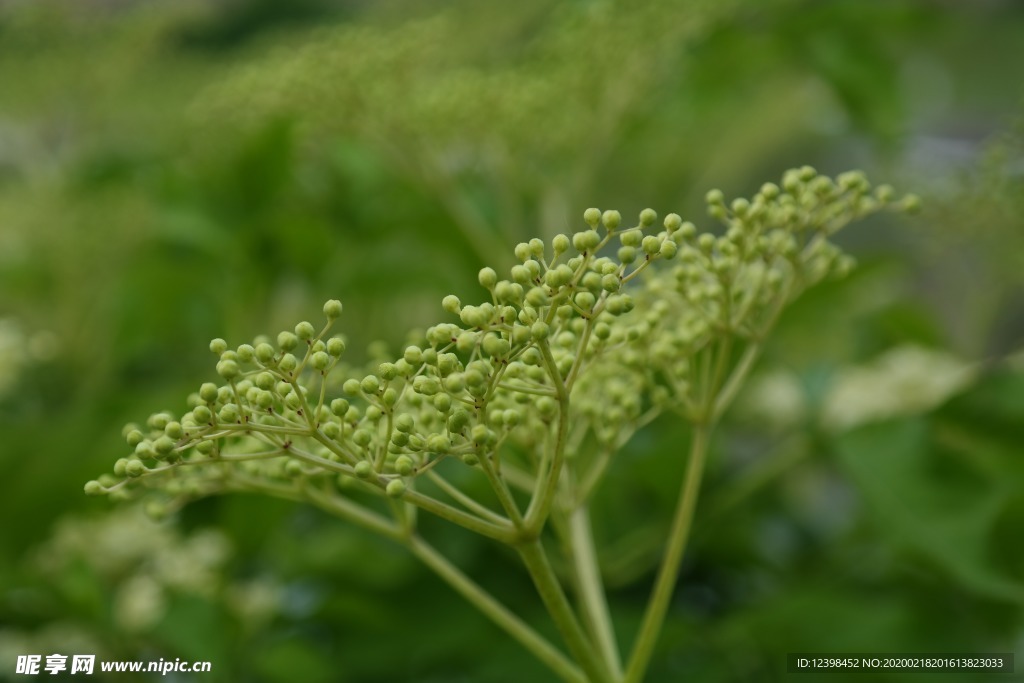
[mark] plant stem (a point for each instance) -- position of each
(561, 611)
(591, 588)
(668, 572)
(498, 613)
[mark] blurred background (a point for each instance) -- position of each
(173, 171)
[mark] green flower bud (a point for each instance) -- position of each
(293, 468)
(389, 397)
(466, 342)
(672, 222)
(283, 388)
(740, 207)
(206, 447)
(332, 430)
(586, 240)
(134, 468)
(428, 386)
(482, 435)
(264, 352)
(471, 459)
(404, 465)
(404, 423)
(265, 381)
(202, 415)
(173, 430)
(586, 300)
(413, 355)
(451, 304)
(651, 245)
(265, 400)
(807, 173)
(487, 278)
(592, 217)
(495, 346)
(443, 403)
(94, 488)
(458, 421)
(560, 243)
(714, 198)
(522, 251)
(134, 438)
(611, 219)
(668, 249)
(473, 316)
(399, 438)
(335, 346)
(631, 238)
(351, 387)
(361, 438)
(547, 407)
(438, 443)
(288, 362)
(455, 382)
(305, 330)
(287, 341)
(245, 353)
(537, 297)
(218, 346)
(520, 275)
(395, 488)
(769, 191)
(363, 469)
(370, 384)
(627, 255)
(911, 203)
(339, 407)
(319, 360)
(647, 217)
(229, 413)
(332, 309)
(208, 392)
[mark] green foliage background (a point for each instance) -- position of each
(171, 172)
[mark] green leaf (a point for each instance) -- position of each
(931, 502)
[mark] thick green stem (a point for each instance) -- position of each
(498, 613)
(668, 572)
(591, 589)
(561, 611)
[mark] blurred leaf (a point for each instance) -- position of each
(929, 503)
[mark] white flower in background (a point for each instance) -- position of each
(903, 381)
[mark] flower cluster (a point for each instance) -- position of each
(581, 342)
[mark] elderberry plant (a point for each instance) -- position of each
(586, 340)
